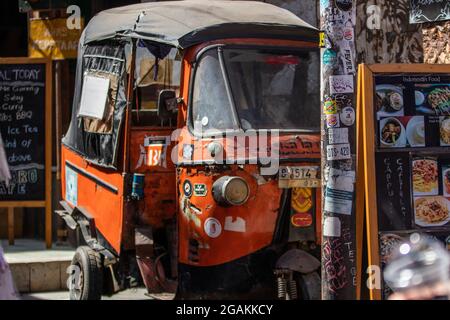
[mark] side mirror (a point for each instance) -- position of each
(167, 104)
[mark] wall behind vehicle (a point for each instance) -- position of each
(384, 34)
(13, 28)
(436, 41)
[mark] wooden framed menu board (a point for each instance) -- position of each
(405, 148)
(26, 128)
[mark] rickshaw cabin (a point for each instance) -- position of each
(137, 51)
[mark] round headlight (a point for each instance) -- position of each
(230, 190)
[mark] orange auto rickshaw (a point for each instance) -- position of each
(191, 164)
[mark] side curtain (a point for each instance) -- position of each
(98, 140)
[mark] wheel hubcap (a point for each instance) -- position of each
(78, 282)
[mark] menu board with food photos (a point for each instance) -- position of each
(405, 150)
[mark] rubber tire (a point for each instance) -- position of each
(90, 263)
(308, 286)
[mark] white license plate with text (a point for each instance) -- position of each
(299, 177)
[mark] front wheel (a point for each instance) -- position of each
(86, 278)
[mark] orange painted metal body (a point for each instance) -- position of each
(259, 214)
(160, 192)
(105, 206)
(164, 198)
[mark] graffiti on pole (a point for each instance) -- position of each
(334, 266)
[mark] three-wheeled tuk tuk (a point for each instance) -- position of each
(191, 163)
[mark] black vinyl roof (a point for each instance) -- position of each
(185, 23)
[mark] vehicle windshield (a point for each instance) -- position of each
(256, 89)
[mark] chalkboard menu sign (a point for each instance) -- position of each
(406, 127)
(429, 11)
(25, 122)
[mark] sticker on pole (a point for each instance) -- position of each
(330, 106)
(347, 58)
(337, 135)
(341, 180)
(332, 227)
(348, 116)
(329, 57)
(338, 201)
(341, 84)
(332, 121)
(338, 152)
(322, 40)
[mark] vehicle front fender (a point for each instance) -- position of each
(298, 260)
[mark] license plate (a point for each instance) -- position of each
(299, 177)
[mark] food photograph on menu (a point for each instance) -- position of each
(401, 132)
(431, 203)
(446, 180)
(389, 242)
(431, 211)
(444, 131)
(432, 99)
(425, 177)
(389, 100)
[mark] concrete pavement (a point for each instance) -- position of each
(40, 274)
(130, 294)
(36, 269)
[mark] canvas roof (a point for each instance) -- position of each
(185, 23)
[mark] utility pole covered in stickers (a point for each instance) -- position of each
(337, 23)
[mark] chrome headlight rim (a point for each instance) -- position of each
(221, 195)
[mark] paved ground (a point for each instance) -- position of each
(36, 269)
(32, 251)
(131, 294)
(135, 294)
